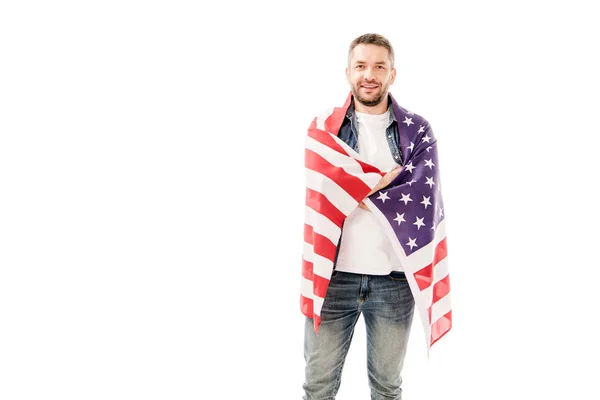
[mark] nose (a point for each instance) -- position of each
(369, 73)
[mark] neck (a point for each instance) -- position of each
(375, 110)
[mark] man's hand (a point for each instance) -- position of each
(386, 180)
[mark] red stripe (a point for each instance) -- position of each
(321, 244)
(353, 185)
(327, 140)
(308, 234)
(429, 311)
(441, 288)
(333, 123)
(317, 319)
(441, 327)
(320, 285)
(306, 306)
(307, 270)
(424, 276)
(321, 204)
(441, 251)
(324, 247)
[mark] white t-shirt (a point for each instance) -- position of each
(365, 248)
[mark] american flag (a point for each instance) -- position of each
(410, 209)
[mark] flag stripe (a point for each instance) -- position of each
(441, 288)
(440, 327)
(355, 187)
(307, 269)
(338, 197)
(321, 204)
(342, 160)
(424, 277)
(320, 285)
(322, 225)
(321, 266)
(440, 307)
(441, 251)
(333, 143)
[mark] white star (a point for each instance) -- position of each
(409, 167)
(433, 226)
(429, 163)
(407, 121)
(411, 182)
(426, 138)
(426, 202)
(405, 198)
(412, 146)
(421, 129)
(429, 182)
(399, 218)
(441, 212)
(383, 197)
(419, 222)
(428, 148)
(412, 242)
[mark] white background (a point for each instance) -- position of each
(151, 193)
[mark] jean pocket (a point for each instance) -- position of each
(397, 276)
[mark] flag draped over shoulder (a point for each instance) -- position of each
(410, 209)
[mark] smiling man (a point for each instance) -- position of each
(362, 227)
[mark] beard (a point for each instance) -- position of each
(371, 101)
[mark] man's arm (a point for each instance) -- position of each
(386, 180)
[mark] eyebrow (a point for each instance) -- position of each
(364, 62)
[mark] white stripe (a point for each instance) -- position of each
(306, 288)
(308, 252)
(440, 308)
(317, 304)
(440, 271)
(348, 164)
(323, 117)
(307, 291)
(321, 265)
(334, 193)
(322, 225)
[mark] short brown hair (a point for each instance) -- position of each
(372, 38)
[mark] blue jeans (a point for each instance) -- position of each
(387, 306)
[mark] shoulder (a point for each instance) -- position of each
(408, 118)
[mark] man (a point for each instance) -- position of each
(367, 277)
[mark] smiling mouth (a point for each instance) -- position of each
(369, 87)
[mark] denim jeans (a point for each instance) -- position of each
(387, 306)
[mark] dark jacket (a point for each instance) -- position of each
(349, 134)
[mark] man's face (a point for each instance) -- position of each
(370, 74)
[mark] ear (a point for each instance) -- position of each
(347, 74)
(393, 76)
